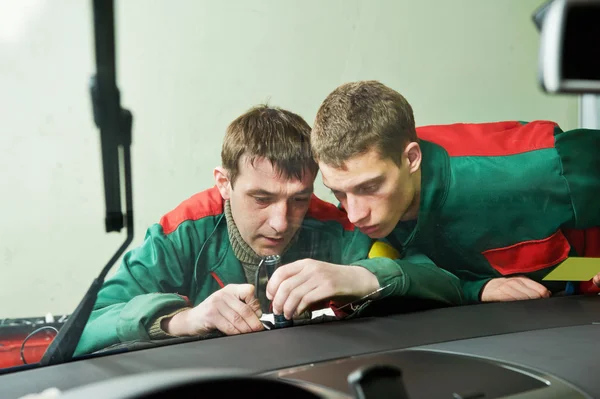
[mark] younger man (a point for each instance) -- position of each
(494, 204)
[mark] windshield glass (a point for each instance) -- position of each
(292, 163)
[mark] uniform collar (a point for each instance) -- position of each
(435, 180)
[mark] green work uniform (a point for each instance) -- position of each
(497, 198)
(188, 256)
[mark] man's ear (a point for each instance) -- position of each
(222, 182)
(413, 154)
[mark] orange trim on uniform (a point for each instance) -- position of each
(218, 279)
(325, 212)
(206, 203)
(529, 256)
(490, 139)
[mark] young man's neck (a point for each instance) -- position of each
(412, 213)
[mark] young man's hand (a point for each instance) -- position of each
(231, 310)
(296, 286)
(513, 289)
(596, 280)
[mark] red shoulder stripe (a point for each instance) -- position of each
(529, 256)
(205, 203)
(324, 211)
(490, 139)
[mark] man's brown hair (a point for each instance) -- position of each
(359, 116)
(275, 134)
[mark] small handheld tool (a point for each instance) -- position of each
(266, 268)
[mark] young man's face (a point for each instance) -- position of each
(267, 208)
(377, 193)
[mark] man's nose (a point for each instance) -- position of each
(356, 209)
(278, 217)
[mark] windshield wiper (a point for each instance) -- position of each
(115, 125)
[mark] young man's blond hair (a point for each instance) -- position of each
(359, 116)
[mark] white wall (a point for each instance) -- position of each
(186, 69)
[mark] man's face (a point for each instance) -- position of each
(267, 208)
(376, 193)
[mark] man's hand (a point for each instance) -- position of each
(296, 286)
(231, 310)
(513, 289)
(596, 280)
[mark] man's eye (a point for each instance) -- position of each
(368, 189)
(262, 200)
(302, 199)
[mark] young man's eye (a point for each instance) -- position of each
(302, 199)
(262, 200)
(368, 189)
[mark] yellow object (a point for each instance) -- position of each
(575, 269)
(382, 250)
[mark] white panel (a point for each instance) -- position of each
(589, 111)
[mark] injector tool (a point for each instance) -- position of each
(266, 268)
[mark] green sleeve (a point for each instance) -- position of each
(127, 321)
(150, 282)
(415, 276)
(581, 170)
(472, 289)
(355, 247)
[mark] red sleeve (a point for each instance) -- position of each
(588, 288)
